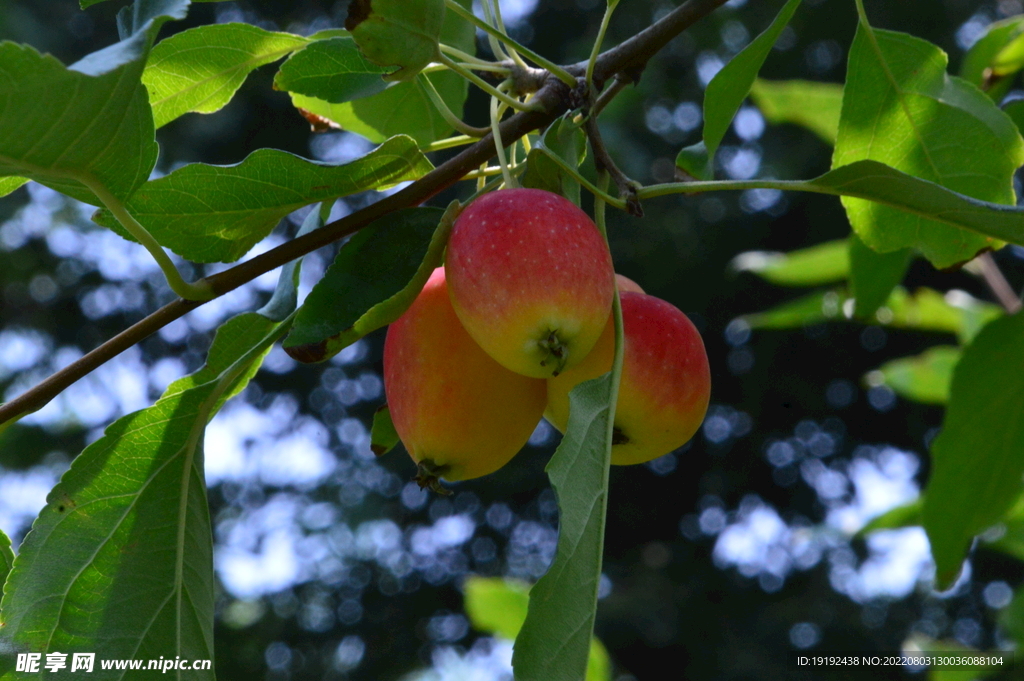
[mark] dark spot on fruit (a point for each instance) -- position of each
(618, 437)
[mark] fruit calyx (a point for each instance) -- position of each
(428, 474)
(618, 437)
(554, 351)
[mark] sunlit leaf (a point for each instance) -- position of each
(981, 65)
(901, 108)
(372, 281)
(925, 310)
(821, 264)
(924, 378)
(211, 213)
(976, 458)
(874, 275)
(9, 184)
(806, 103)
(907, 515)
(87, 124)
(333, 70)
(730, 86)
(201, 69)
(119, 561)
(403, 108)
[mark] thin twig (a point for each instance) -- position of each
(997, 283)
(603, 161)
(551, 101)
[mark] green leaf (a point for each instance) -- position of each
(730, 86)
(70, 127)
(806, 103)
(923, 378)
(374, 278)
(403, 108)
(1015, 110)
(1011, 540)
(976, 458)
(499, 606)
(201, 69)
(496, 605)
(400, 34)
(383, 436)
(907, 515)
(6, 558)
(821, 264)
(694, 162)
(901, 108)
(1012, 618)
(9, 184)
(568, 142)
(207, 213)
(874, 275)
(120, 560)
(554, 642)
(926, 310)
(333, 70)
(983, 66)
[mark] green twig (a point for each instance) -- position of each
(591, 187)
(431, 92)
(449, 142)
(597, 42)
(499, 148)
(554, 68)
(483, 84)
(199, 290)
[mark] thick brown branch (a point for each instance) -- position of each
(627, 58)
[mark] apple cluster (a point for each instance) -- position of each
(518, 316)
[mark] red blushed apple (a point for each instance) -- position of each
(531, 279)
(666, 380)
(459, 413)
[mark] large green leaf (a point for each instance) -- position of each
(820, 264)
(201, 69)
(924, 378)
(901, 108)
(211, 213)
(554, 642)
(6, 558)
(372, 281)
(499, 606)
(403, 108)
(84, 125)
(120, 560)
(977, 461)
(333, 70)
(730, 86)
(874, 275)
(806, 103)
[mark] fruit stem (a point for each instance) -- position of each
(597, 42)
(494, 16)
(431, 92)
(499, 147)
(199, 290)
(482, 84)
(448, 143)
(428, 476)
(604, 196)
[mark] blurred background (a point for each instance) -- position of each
(723, 559)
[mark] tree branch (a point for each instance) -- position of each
(628, 58)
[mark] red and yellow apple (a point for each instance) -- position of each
(531, 279)
(459, 413)
(665, 386)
